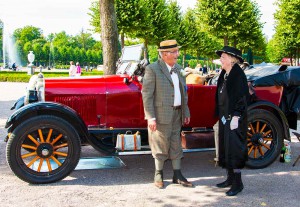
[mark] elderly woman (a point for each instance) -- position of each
(231, 108)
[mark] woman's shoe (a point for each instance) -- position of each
(228, 181)
(237, 185)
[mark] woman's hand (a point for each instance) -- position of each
(234, 124)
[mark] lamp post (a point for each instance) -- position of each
(30, 57)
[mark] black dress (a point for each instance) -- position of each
(232, 143)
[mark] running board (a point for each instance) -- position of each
(149, 152)
(106, 162)
(90, 163)
(85, 163)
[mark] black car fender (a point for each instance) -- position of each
(275, 110)
(48, 108)
(18, 104)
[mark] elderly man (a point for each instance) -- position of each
(166, 110)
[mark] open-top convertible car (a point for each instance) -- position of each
(59, 115)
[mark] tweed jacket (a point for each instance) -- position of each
(158, 93)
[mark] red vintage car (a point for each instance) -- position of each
(60, 115)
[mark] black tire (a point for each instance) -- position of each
(264, 138)
(43, 149)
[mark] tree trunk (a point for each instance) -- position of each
(146, 49)
(183, 58)
(298, 57)
(225, 41)
(122, 40)
(109, 36)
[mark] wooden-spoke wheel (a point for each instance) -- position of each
(264, 138)
(43, 149)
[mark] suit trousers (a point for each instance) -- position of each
(165, 142)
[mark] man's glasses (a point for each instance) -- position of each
(174, 52)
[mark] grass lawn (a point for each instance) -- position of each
(21, 76)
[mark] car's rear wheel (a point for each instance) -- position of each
(43, 149)
(264, 138)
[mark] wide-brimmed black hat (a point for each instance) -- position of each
(231, 51)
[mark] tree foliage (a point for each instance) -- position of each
(287, 27)
(233, 21)
(57, 48)
(200, 31)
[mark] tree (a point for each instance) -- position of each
(287, 27)
(95, 16)
(174, 20)
(274, 55)
(84, 40)
(62, 39)
(229, 20)
(188, 32)
(157, 21)
(37, 46)
(130, 17)
(109, 35)
(27, 34)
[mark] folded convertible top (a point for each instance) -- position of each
(271, 76)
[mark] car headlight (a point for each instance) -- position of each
(35, 90)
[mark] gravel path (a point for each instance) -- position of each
(276, 185)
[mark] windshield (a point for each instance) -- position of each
(132, 53)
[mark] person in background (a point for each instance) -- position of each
(72, 70)
(198, 67)
(14, 66)
(204, 70)
(231, 107)
(188, 69)
(245, 65)
(166, 110)
(78, 69)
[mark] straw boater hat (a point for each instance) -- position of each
(168, 45)
(231, 51)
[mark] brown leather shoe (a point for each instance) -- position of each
(178, 178)
(158, 179)
(183, 183)
(159, 184)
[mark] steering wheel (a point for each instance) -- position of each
(140, 70)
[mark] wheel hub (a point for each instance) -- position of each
(45, 150)
(256, 139)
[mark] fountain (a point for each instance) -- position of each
(51, 55)
(10, 54)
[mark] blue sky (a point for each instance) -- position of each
(71, 15)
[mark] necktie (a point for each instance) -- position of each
(173, 70)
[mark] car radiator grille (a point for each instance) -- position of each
(84, 105)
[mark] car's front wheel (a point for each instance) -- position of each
(43, 149)
(264, 138)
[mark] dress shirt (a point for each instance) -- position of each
(177, 95)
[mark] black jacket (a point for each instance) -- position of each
(237, 90)
(233, 143)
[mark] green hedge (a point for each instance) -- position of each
(17, 76)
